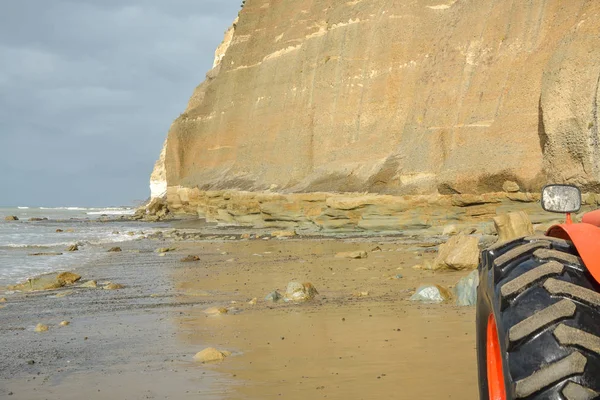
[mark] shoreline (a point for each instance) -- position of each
(141, 339)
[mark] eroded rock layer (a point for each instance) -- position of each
(395, 97)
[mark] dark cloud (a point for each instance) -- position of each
(88, 89)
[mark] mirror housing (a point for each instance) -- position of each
(561, 198)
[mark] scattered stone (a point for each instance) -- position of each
(273, 296)
(511, 187)
(296, 291)
(41, 328)
(376, 249)
(460, 252)
(361, 294)
(45, 254)
(352, 254)
(115, 249)
(115, 232)
(113, 286)
(245, 236)
(67, 278)
(210, 354)
(431, 294)
(59, 230)
(165, 249)
(35, 219)
(397, 276)
(89, 284)
(466, 289)
(283, 234)
(190, 258)
(418, 266)
(73, 247)
(11, 218)
(64, 323)
(130, 233)
(70, 230)
(216, 311)
(512, 226)
(450, 230)
(3, 300)
(253, 301)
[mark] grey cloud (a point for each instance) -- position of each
(89, 88)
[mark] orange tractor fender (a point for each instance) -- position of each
(586, 238)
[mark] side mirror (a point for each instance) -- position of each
(561, 198)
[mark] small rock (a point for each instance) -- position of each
(253, 301)
(283, 234)
(41, 328)
(397, 276)
(59, 230)
(190, 258)
(418, 266)
(35, 219)
(73, 247)
(45, 254)
(466, 289)
(216, 311)
(113, 286)
(64, 323)
(11, 218)
(431, 294)
(376, 249)
(165, 249)
(89, 284)
(352, 254)
(3, 300)
(67, 278)
(511, 187)
(115, 249)
(245, 236)
(300, 291)
(131, 233)
(361, 294)
(450, 230)
(273, 296)
(210, 354)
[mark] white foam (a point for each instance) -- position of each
(23, 208)
(112, 212)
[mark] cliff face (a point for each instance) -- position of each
(396, 97)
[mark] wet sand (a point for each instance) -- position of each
(141, 339)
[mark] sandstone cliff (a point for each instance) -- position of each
(395, 97)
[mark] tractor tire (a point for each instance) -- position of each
(538, 322)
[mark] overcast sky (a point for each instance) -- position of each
(88, 89)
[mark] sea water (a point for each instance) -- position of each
(19, 240)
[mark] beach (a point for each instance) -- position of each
(359, 338)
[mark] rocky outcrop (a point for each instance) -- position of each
(395, 98)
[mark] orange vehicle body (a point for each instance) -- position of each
(586, 238)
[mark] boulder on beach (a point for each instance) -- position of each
(296, 291)
(431, 294)
(11, 218)
(64, 323)
(352, 254)
(67, 278)
(281, 234)
(73, 247)
(211, 354)
(512, 226)
(41, 328)
(190, 258)
(115, 249)
(465, 290)
(460, 252)
(113, 286)
(89, 285)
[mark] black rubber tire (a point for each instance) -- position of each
(547, 311)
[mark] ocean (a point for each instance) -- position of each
(19, 240)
